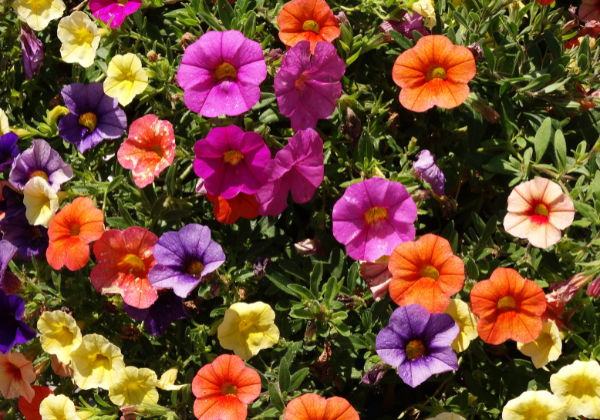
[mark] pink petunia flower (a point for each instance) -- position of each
(307, 86)
(117, 10)
(373, 217)
(297, 168)
(231, 161)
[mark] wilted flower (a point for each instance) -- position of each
(157, 318)
(462, 315)
(374, 375)
(80, 38)
(540, 405)
(16, 373)
(378, 276)
(578, 386)
(60, 334)
(114, 11)
(133, 386)
(429, 171)
(39, 13)
(13, 331)
(406, 26)
(307, 247)
(313, 406)
(260, 266)
(187, 39)
(58, 407)
(41, 201)
(544, 349)
(167, 380)
(96, 362)
(32, 50)
(125, 78)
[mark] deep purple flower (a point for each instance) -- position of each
(428, 171)
(94, 116)
(9, 282)
(406, 26)
(40, 160)
(184, 258)
(418, 343)
(157, 318)
(8, 150)
(374, 375)
(32, 50)
(12, 329)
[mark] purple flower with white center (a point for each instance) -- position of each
(418, 343)
(32, 50)
(8, 150)
(406, 26)
(12, 329)
(184, 258)
(93, 117)
(428, 171)
(9, 282)
(157, 318)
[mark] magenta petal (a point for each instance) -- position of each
(272, 197)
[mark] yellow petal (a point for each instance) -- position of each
(60, 334)
(133, 386)
(578, 385)
(95, 362)
(4, 127)
(467, 322)
(546, 348)
(38, 13)
(539, 405)
(80, 38)
(41, 201)
(167, 380)
(58, 407)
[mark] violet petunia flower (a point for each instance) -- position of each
(8, 150)
(418, 343)
(184, 258)
(307, 86)
(40, 160)
(9, 282)
(117, 10)
(428, 171)
(406, 26)
(12, 329)
(221, 73)
(157, 318)
(32, 50)
(93, 117)
(297, 168)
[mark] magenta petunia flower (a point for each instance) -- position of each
(231, 161)
(117, 10)
(373, 217)
(297, 168)
(307, 86)
(220, 74)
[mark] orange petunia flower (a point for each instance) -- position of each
(31, 409)
(434, 72)
(315, 407)
(227, 211)
(425, 272)
(508, 307)
(16, 373)
(224, 388)
(310, 20)
(71, 231)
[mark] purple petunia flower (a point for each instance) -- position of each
(40, 160)
(307, 86)
(418, 343)
(12, 329)
(184, 258)
(32, 50)
(9, 282)
(428, 171)
(157, 318)
(406, 26)
(8, 150)
(298, 168)
(94, 116)
(117, 10)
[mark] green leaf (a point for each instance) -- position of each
(553, 45)
(275, 397)
(115, 183)
(250, 26)
(280, 281)
(284, 371)
(581, 343)
(315, 278)
(211, 21)
(297, 379)
(117, 222)
(472, 268)
(586, 211)
(225, 13)
(560, 149)
(536, 83)
(302, 291)
(489, 56)
(124, 213)
(336, 262)
(365, 147)
(542, 138)
(404, 42)
(353, 276)
(489, 229)
(171, 178)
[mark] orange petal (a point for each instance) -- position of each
(31, 410)
(306, 407)
(339, 409)
(220, 408)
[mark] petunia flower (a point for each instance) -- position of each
(297, 168)
(434, 72)
(221, 73)
(58, 407)
(307, 20)
(231, 161)
(589, 10)
(32, 50)
(8, 150)
(546, 348)
(96, 362)
(248, 329)
(12, 330)
(538, 405)
(467, 322)
(80, 39)
(378, 276)
(41, 201)
(16, 375)
(114, 11)
(224, 388)
(508, 307)
(429, 171)
(31, 409)
(313, 406)
(125, 78)
(133, 386)
(39, 13)
(71, 231)
(578, 386)
(307, 86)
(124, 260)
(157, 318)
(9, 282)
(60, 334)
(406, 26)
(4, 127)
(148, 150)
(426, 8)
(167, 380)
(538, 210)
(228, 211)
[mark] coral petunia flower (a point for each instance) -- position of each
(578, 386)
(133, 386)
(535, 405)
(310, 20)
(71, 231)
(58, 407)
(124, 260)
(96, 362)
(546, 348)
(434, 72)
(60, 334)
(224, 388)
(508, 307)
(313, 407)
(148, 150)
(125, 78)
(425, 272)
(228, 211)
(31, 409)
(16, 373)
(467, 322)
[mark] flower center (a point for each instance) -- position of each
(233, 157)
(75, 229)
(245, 324)
(225, 70)
(541, 210)
(122, 2)
(101, 359)
(582, 387)
(229, 389)
(13, 372)
(158, 150)
(375, 214)
(41, 174)
(134, 263)
(435, 72)
(430, 271)
(536, 413)
(415, 349)
(300, 83)
(89, 121)
(507, 303)
(311, 25)
(195, 269)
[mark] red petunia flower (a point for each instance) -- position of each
(315, 407)
(31, 410)
(227, 211)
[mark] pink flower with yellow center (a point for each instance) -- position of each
(16, 375)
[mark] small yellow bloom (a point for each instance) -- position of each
(535, 405)
(448, 416)
(133, 386)
(167, 380)
(58, 407)
(546, 348)
(4, 127)
(426, 8)
(578, 385)
(466, 320)
(95, 362)
(41, 201)
(80, 38)
(125, 78)
(39, 13)
(60, 334)
(57, 112)
(248, 328)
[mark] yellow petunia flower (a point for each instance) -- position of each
(466, 320)
(95, 362)
(4, 127)
(426, 8)
(578, 385)
(60, 334)
(80, 38)
(546, 348)
(58, 407)
(133, 386)
(39, 13)
(248, 328)
(125, 78)
(41, 201)
(535, 405)
(167, 380)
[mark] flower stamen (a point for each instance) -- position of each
(311, 25)
(89, 121)
(435, 72)
(233, 157)
(376, 214)
(415, 349)
(225, 70)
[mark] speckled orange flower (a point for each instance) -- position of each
(227, 211)
(310, 20)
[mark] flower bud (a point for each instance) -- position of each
(57, 112)
(152, 56)
(476, 50)
(187, 39)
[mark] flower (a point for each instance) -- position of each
(58, 407)
(12, 329)
(39, 13)
(426, 272)
(4, 127)
(71, 231)
(313, 406)
(106, 10)
(378, 276)
(40, 160)
(429, 172)
(31, 409)
(578, 386)
(467, 322)
(589, 10)
(448, 416)
(167, 380)
(220, 74)
(538, 405)
(428, 79)
(406, 26)
(8, 150)
(9, 282)
(426, 8)
(538, 210)
(307, 86)
(16, 373)
(374, 375)
(96, 362)
(546, 348)
(41, 201)
(32, 50)
(592, 29)
(124, 260)
(231, 161)
(148, 150)
(228, 211)
(60, 334)
(373, 217)
(224, 388)
(307, 20)
(93, 116)
(125, 78)
(184, 258)
(80, 39)
(157, 318)
(248, 329)
(133, 386)
(594, 289)
(508, 307)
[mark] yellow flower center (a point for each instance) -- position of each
(506, 303)
(101, 360)
(430, 271)
(233, 157)
(536, 413)
(89, 121)
(41, 174)
(435, 72)
(195, 269)
(75, 229)
(225, 70)
(229, 389)
(582, 387)
(311, 25)
(82, 37)
(134, 264)
(245, 324)
(122, 2)
(415, 349)
(375, 214)
(541, 210)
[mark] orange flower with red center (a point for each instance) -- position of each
(315, 407)
(434, 72)
(228, 211)
(310, 20)
(31, 409)
(425, 272)
(71, 231)
(224, 388)
(16, 373)
(508, 307)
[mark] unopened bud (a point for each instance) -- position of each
(342, 19)
(152, 56)
(476, 50)
(57, 112)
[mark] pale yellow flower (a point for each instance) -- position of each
(80, 38)
(4, 127)
(426, 8)
(95, 362)
(60, 334)
(535, 405)
(448, 416)
(578, 385)
(125, 78)
(466, 320)
(41, 201)
(546, 348)
(133, 386)
(167, 380)
(58, 407)
(39, 13)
